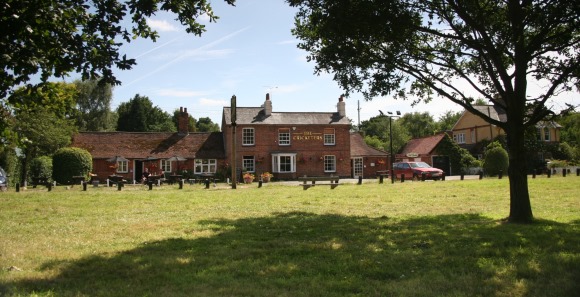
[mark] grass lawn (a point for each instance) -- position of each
(404, 239)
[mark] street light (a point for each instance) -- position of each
(391, 116)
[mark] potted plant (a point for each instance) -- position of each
(248, 178)
(266, 176)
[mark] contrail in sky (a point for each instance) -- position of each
(186, 54)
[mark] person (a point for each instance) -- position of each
(145, 175)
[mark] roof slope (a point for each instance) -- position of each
(424, 145)
(256, 116)
(137, 145)
(359, 148)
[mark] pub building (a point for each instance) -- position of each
(294, 144)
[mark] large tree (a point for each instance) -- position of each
(452, 49)
(93, 102)
(139, 115)
(52, 38)
(419, 124)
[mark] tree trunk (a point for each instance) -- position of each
(520, 206)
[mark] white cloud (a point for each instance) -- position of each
(161, 25)
(212, 102)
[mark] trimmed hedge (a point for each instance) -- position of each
(70, 161)
(496, 159)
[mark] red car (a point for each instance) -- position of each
(415, 170)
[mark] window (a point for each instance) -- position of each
(546, 134)
(248, 136)
(329, 163)
(165, 166)
(283, 163)
(329, 138)
(459, 137)
(284, 136)
(123, 166)
(205, 166)
(473, 136)
(248, 163)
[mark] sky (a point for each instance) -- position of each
(249, 52)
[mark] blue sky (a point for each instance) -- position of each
(249, 52)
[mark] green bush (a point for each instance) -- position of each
(496, 159)
(68, 162)
(41, 167)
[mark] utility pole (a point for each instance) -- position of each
(233, 118)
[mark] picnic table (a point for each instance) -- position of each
(331, 181)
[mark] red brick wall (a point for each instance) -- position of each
(307, 142)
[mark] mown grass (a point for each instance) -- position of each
(407, 239)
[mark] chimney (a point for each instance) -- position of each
(268, 106)
(341, 106)
(183, 122)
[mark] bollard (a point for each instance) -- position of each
(500, 175)
(84, 186)
(564, 172)
(443, 176)
(577, 171)
(402, 178)
(423, 176)
(150, 184)
(119, 185)
(480, 175)
(462, 176)
(360, 180)
(207, 183)
(260, 183)
(17, 187)
(49, 186)
(534, 173)
(549, 173)
(180, 184)
(380, 179)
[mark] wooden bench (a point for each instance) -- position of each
(331, 181)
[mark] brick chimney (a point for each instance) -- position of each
(341, 106)
(268, 106)
(183, 122)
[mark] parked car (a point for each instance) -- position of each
(3, 180)
(415, 170)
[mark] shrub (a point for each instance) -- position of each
(496, 159)
(41, 167)
(68, 162)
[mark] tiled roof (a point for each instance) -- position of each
(495, 112)
(424, 145)
(256, 116)
(138, 145)
(359, 148)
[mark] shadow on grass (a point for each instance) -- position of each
(304, 254)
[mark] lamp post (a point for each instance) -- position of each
(391, 116)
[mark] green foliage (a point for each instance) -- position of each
(68, 162)
(570, 131)
(57, 98)
(459, 158)
(418, 124)
(379, 127)
(374, 141)
(206, 125)
(496, 159)
(93, 103)
(41, 167)
(139, 115)
(448, 120)
(59, 37)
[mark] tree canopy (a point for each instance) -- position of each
(139, 115)
(53, 38)
(93, 103)
(452, 49)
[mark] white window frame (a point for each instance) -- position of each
(248, 136)
(249, 163)
(459, 137)
(122, 166)
(206, 166)
(276, 162)
(284, 136)
(329, 138)
(329, 163)
(165, 165)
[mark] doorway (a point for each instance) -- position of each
(357, 167)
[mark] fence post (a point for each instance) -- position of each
(150, 184)
(380, 178)
(462, 175)
(534, 173)
(549, 173)
(480, 174)
(84, 186)
(564, 172)
(180, 184)
(360, 179)
(423, 176)
(500, 175)
(402, 178)
(443, 176)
